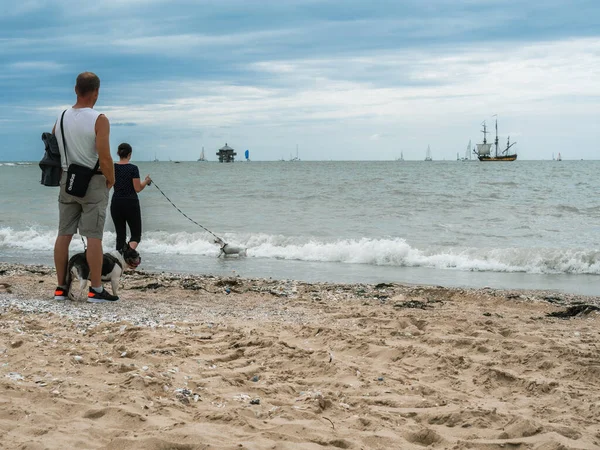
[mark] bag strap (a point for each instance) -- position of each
(62, 133)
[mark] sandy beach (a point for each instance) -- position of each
(202, 362)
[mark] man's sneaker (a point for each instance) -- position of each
(60, 293)
(100, 297)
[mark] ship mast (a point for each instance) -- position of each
(496, 141)
(485, 132)
(509, 145)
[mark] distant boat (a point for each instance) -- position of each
(202, 157)
(401, 157)
(484, 153)
(155, 158)
(559, 158)
(247, 155)
(296, 157)
(428, 154)
(468, 153)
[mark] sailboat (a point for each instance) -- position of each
(484, 153)
(559, 158)
(247, 155)
(155, 158)
(468, 153)
(296, 157)
(428, 154)
(401, 157)
(202, 157)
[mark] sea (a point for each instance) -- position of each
(509, 225)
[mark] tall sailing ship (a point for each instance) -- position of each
(484, 152)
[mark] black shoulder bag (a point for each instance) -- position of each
(78, 177)
(50, 163)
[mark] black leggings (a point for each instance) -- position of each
(126, 211)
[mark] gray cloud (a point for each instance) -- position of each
(274, 73)
(123, 124)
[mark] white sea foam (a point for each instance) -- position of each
(377, 252)
(32, 239)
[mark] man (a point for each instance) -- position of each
(87, 139)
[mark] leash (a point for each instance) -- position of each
(185, 215)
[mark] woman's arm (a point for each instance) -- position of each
(140, 185)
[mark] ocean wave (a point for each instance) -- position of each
(31, 239)
(501, 183)
(568, 208)
(377, 252)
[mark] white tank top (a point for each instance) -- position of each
(80, 133)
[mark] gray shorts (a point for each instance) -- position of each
(87, 213)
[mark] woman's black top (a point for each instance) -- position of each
(124, 175)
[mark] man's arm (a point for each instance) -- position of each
(103, 149)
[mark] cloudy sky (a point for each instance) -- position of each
(339, 80)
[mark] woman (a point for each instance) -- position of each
(125, 205)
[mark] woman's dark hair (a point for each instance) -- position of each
(124, 150)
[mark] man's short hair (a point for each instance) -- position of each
(87, 82)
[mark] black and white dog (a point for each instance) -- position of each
(228, 249)
(113, 265)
